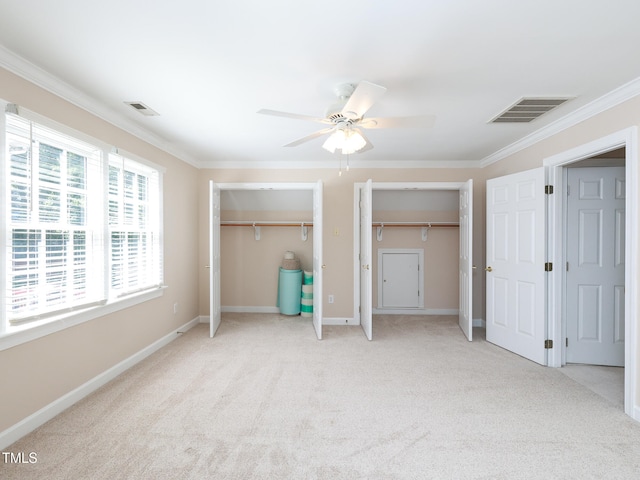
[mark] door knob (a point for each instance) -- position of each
(473, 267)
(489, 269)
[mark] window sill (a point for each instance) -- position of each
(20, 334)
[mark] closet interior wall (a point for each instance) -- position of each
(249, 268)
(441, 248)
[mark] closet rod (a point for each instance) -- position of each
(232, 223)
(415, 224)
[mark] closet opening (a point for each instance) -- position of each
(413, 251)
(253, 230)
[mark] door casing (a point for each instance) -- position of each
(555, 165)
(356, 228)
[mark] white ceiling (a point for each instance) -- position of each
(208, 66)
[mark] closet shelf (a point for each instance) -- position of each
(304, 226)
(416, 224)
(233, 223)
(425, 226)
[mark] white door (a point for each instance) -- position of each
(366, 215)
(465, 265)
(400, 285)
(515, 271)
(214, 258)
(317, 259)
(595, 265)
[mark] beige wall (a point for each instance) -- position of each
(441, 253)
(249, 267)
(338, 209)
(41, 371)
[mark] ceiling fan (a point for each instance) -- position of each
(345, 119)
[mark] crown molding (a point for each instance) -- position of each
(335, 163)
(39, 77)
(597, 106)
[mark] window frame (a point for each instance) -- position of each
(16, 333)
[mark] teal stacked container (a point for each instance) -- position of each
(289, 288)
(306, 307)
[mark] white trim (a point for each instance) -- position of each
(555, 164)
(479, 322)
(340, 321)
(356, 223)
(257, 186)
(241, 309)
(33, 421)
(32, 330)
(605, 102)
(416, 185)
(415, 311)
(267, 186)
(334, 164)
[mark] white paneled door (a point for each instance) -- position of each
(317, 259)
(465, 267)
(366, 216)
(214, 258)
(515, 269)
(595, 265)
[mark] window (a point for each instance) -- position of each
(82, 225)
(133, 226)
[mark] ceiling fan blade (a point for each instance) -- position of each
(362, 98)
(296, 116)
(425, 121)
(302, 140)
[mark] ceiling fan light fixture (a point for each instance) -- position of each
(346, 140)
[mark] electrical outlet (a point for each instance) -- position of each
(330, 298)
(175, 308)
(336, 232)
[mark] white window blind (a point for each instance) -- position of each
(82, 226)
(54, 245)
(134, 226)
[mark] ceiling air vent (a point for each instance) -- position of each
(142, 108)
(528, 109)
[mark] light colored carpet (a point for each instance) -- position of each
(265, 400)
(608, 382)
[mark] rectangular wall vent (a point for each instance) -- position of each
(528, 109)
(142, 108)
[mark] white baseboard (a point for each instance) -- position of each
(264, 309)
(415, 311)
(33, 421)
(339, 321)
(479, 322)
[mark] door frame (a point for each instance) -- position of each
(455, 186)
(555, 170)
(316, 189)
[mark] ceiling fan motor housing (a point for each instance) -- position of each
(343, 92)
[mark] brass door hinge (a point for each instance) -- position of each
(548, 189)
(548, 267)
(548, 344)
